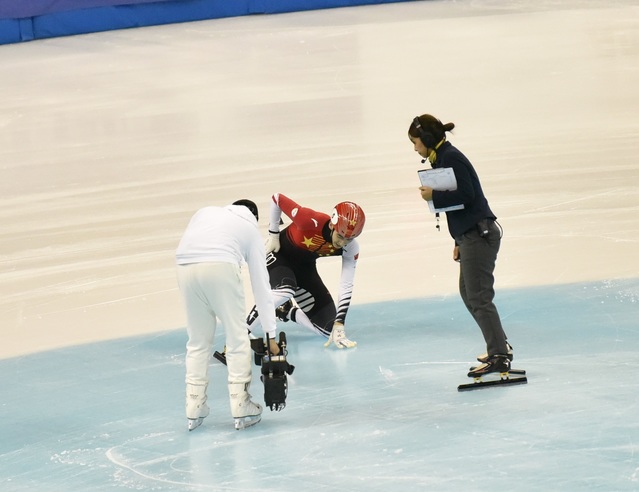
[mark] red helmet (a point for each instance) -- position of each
(348, 219)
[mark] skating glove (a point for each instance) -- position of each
(273, 242)
(338, 337)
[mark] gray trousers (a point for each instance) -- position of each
(476, 284)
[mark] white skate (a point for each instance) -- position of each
(245, 412)
(196, 408)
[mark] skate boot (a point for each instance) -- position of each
(281, 312)
(196, 408)
(483, 358)
(245, 413)
(496, 363)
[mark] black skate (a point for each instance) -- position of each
(495, 365)
(483, 358)
(281, 312)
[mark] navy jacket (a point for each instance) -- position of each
(468, 192)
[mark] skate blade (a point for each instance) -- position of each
(245, 422)
(479, 383)
(195, 423)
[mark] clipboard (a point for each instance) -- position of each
(441, 179)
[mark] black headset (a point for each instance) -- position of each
(427, 138)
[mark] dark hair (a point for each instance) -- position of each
(250, 205)
(429, 129)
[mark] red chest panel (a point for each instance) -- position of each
(311, 241)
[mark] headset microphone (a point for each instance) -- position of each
(429, 141)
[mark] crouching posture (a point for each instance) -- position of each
(216, 242)
(299, 293)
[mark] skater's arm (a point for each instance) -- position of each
(347, 280)
(303, 217)
(260, 284)
(275, 214)
(349, 262)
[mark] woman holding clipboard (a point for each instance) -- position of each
(457, 191)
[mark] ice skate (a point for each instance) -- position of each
(483, 358)
(495, 363)
(245, 412)
(499, 373)
(248, 421)
(196, 408)
(282, 312)
(194, 423)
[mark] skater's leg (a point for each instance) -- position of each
(201, 326)
(477, 258)
(315, 306)
(201, 323)
(229, 305)
(280, 296)
(321, 322)
(283, 285)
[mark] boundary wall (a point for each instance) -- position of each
(27, 20)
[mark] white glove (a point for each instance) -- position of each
(272, 244)
(338, 337)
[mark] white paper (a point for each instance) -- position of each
(441, 179)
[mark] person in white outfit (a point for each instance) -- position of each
(215, 244)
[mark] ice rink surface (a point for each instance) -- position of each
(109, 142)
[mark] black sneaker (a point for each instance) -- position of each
(281, 312)
(496, 363)
(483, 358)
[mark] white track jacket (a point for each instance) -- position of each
(230, 234)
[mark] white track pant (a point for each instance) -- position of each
(211, 290)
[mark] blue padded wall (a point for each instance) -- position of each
(40, 19)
